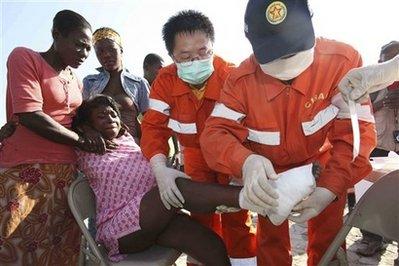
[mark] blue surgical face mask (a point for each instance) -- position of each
(195, 72)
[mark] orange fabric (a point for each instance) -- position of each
(270, 105)
(33, 85)
(184, 107)
(267, 105)
(274, 241)
(198, 93)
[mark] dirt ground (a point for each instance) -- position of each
(298, 233)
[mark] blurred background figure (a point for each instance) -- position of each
(385, 104)
(151, 65)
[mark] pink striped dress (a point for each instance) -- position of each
(119, 180)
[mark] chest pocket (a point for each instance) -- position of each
(321, 119)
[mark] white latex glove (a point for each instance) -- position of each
(313, 205)
(359, 82)
(165, 176)
(292, 187)
(257, 194)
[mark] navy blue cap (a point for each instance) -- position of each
(278, 28)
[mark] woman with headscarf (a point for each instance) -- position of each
(129, 91)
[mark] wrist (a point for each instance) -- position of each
(158, 160)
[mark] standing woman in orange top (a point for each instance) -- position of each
(37, 162)
(181, 99)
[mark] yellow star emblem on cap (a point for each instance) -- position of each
(276, 12)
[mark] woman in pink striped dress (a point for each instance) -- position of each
(130, 214)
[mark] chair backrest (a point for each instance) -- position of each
(83, 199)
(378, 210)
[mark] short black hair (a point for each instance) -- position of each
(66, 21)
(83, 113)
(151, 59)
(388, 46)
(188, 21)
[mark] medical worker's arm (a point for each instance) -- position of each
(341, 172)
(359, 82)
(222, 145)
(154, 144)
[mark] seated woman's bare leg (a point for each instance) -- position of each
(194, 239)
(162, 226)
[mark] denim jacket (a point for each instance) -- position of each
(136, 88)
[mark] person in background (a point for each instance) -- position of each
(385, 104)
(358, 83)
(129, 91)
(151, 65)
(281, 109)
(181, 99)
(37, 158)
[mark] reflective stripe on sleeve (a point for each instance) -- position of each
(221, 110)
(321, 119)
(159, 106)
(182, 128)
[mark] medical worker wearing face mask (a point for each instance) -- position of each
(182, 97)
(280, 109)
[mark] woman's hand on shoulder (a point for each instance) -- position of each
(94, 142)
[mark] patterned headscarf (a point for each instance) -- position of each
(107, 33)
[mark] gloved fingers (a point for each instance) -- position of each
(181, 174)
(301, 205)
(253, 199)
(172, 199)
(265, 186)
(379, 87)
(347, 83)
(269, 170)
(249, 205)
(358, 94)
(265, 193)
(178, 195)
(259, 210)
(164, 201)
(303, 216)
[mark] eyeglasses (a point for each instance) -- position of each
(189, 59)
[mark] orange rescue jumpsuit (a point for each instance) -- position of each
(174, 109)
(292, 125)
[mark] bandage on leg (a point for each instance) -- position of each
(292, 187)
